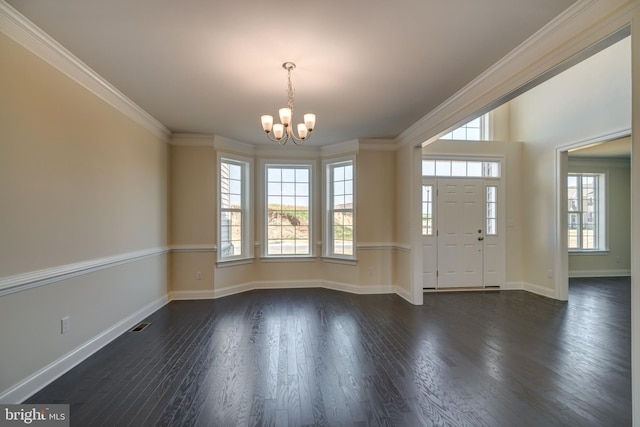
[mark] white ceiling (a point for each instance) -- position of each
(618, 148)
(367, 68)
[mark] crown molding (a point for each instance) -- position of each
(341, 148)
(31, 37)
(283, 152)
(228, 144)
(192, 140)
(378, 145)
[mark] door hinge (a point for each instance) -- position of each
(436, 273)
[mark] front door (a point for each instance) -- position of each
(460, 233)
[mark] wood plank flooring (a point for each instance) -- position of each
(321, 357)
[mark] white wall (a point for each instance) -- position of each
(589, 100)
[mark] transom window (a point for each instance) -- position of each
(461, 168)
(476, 130)
(288, 199)
(586, 213)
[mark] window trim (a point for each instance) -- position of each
(602, 197)
(264, 166)
(328, 249)
(247, 164)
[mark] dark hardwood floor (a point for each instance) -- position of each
(320, 357)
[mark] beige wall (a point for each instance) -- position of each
(79, 182)
(194, 218)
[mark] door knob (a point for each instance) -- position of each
(480, 238)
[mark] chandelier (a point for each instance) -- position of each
(283, 132)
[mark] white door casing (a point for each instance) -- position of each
(455, 254)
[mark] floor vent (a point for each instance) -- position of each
(140, 327)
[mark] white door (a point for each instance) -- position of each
(463, 232)
(460, 233)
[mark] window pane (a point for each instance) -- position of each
(460, 133)
(458, 168)
(428, 168)
(443, 167)
(473, 134)
(492, 169)
(288, 175)
(302, 189)
(274, 189)
(348, 172)
(235, 172)
(302, 175)
(474, 169)
(274, 175)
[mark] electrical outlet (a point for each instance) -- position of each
(550, 274)
(371, 271)
(65, 325)
(198, 276)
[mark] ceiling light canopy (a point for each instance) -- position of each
(283, 132)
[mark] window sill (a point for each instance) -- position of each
(589, 252)
(336, 260)
(234, 262)
(288, 258)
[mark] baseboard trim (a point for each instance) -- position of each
(599, 273)
(37, 381)
(404, 294)
(539, 290)
(293, 284)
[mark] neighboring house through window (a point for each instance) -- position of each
(586, 212)
(234, 227)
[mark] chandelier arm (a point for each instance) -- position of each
(281, 141)
(294, 138)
